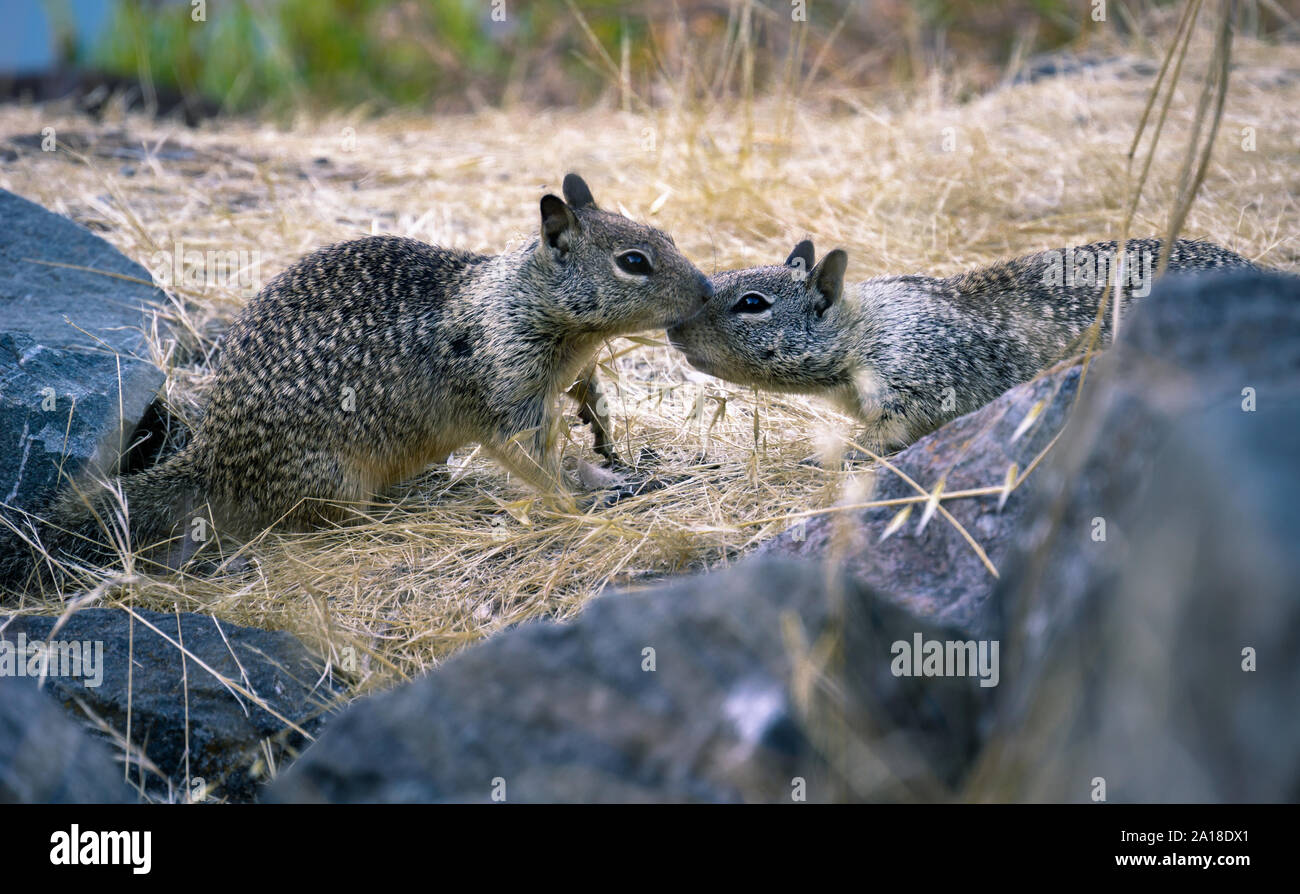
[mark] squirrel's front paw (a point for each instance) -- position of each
(611, 486)
(591, 477)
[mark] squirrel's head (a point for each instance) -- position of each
(774, 327)
(612, 275)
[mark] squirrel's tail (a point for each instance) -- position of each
(96, 523)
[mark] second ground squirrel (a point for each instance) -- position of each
(905, 354)
(368, 360)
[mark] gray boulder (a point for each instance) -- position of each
(935, 573)
(69, 338)
(177, 704)
(1154, 606)
(767, 683)
(47, 758)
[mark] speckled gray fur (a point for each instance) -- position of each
(905, 354)
(367, 360)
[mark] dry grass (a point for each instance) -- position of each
(464, 551)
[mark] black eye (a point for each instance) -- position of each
(751, 303)
(635, 262)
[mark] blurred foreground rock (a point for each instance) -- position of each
(69, 338)
(1153, 646)
(176, 703)
(46, 757)
(766, 683)
(935, 573)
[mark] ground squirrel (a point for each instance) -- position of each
(905, 354)
(366, 361)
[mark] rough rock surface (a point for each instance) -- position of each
(47, 758)
(936, 574)
(1163, 545)
(750, 693)
(174, 703)
(68, 339)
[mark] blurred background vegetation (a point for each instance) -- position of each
(456, 55)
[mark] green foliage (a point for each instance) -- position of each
(332, 53)
(455, 54)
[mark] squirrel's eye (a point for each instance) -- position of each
(751, 303)
(635, 262)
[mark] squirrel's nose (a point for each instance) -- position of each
(706, 289)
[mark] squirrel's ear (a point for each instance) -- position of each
(559, 225)
(827, 279)
(802, 256)
(576, 192)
